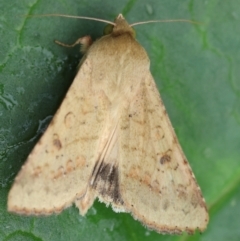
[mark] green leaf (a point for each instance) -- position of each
(196, 68)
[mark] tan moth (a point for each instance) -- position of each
(111, 139)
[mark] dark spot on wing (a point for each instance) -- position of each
(57, 143)
(106, 182)
(164, 159)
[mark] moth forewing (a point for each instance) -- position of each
(111, 138)
(159, 186)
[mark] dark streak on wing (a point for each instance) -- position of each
(106, 182)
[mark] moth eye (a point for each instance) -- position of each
(108, 29)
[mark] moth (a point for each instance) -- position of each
(112, 139)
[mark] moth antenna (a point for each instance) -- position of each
(165, 21)
(71, 16)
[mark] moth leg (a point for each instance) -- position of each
(85, 43)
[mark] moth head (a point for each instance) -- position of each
(119, 27)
